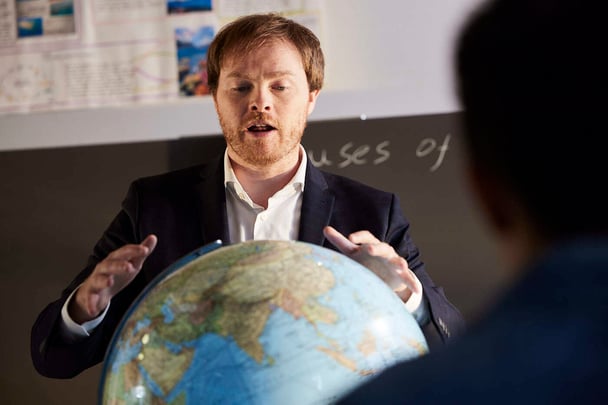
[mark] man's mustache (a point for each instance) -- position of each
(259, 118)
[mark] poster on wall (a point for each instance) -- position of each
(75, 54)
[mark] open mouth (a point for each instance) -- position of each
(260, 128)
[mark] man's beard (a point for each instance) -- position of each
(257, 152)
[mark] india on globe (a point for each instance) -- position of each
(258, 322)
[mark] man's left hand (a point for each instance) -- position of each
(379, 257)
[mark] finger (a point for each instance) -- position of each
(149, 243)
(339, 241)
(103, 276)
(361, 237)
(128, 252)
(381, 249)
(114, 267)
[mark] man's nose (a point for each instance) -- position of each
(260, 100)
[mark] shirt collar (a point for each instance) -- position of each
(297, 181)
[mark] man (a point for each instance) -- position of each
(265, 73)
(532, 78)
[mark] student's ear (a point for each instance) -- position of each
(494, 198)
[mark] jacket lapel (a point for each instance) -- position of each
(317, 205)
(211, 194)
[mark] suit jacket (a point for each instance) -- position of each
(546, 342)
(187, 209)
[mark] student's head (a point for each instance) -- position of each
(249, 33)
(532, 80)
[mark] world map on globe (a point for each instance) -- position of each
(259, 322)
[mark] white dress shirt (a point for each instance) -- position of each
(249, 221)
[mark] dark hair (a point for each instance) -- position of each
(531, 75)
(253, 31)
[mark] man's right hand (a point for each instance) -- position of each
(109, 277)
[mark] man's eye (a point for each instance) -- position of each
(280, 88)
(241, 89)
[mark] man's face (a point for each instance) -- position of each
(263, 101)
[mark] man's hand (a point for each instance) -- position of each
(109, 277)
(379, 257)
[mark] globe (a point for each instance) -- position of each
(259, 322)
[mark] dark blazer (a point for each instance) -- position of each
(187, 209)
(546, 342)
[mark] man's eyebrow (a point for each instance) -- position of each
(271, 75)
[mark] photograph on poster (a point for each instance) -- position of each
(36, 18)
(29, 26)
(186, 6)
(62, 7)
(192, 45)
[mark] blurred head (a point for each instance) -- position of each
(531, 76)
(250, 33)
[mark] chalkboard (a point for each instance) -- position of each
(421, 160)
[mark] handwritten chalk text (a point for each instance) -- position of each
(352, 154)
(429, 145)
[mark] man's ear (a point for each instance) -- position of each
(312, 100)
(214, 101)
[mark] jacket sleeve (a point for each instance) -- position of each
(445, 319)
(52, 356)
